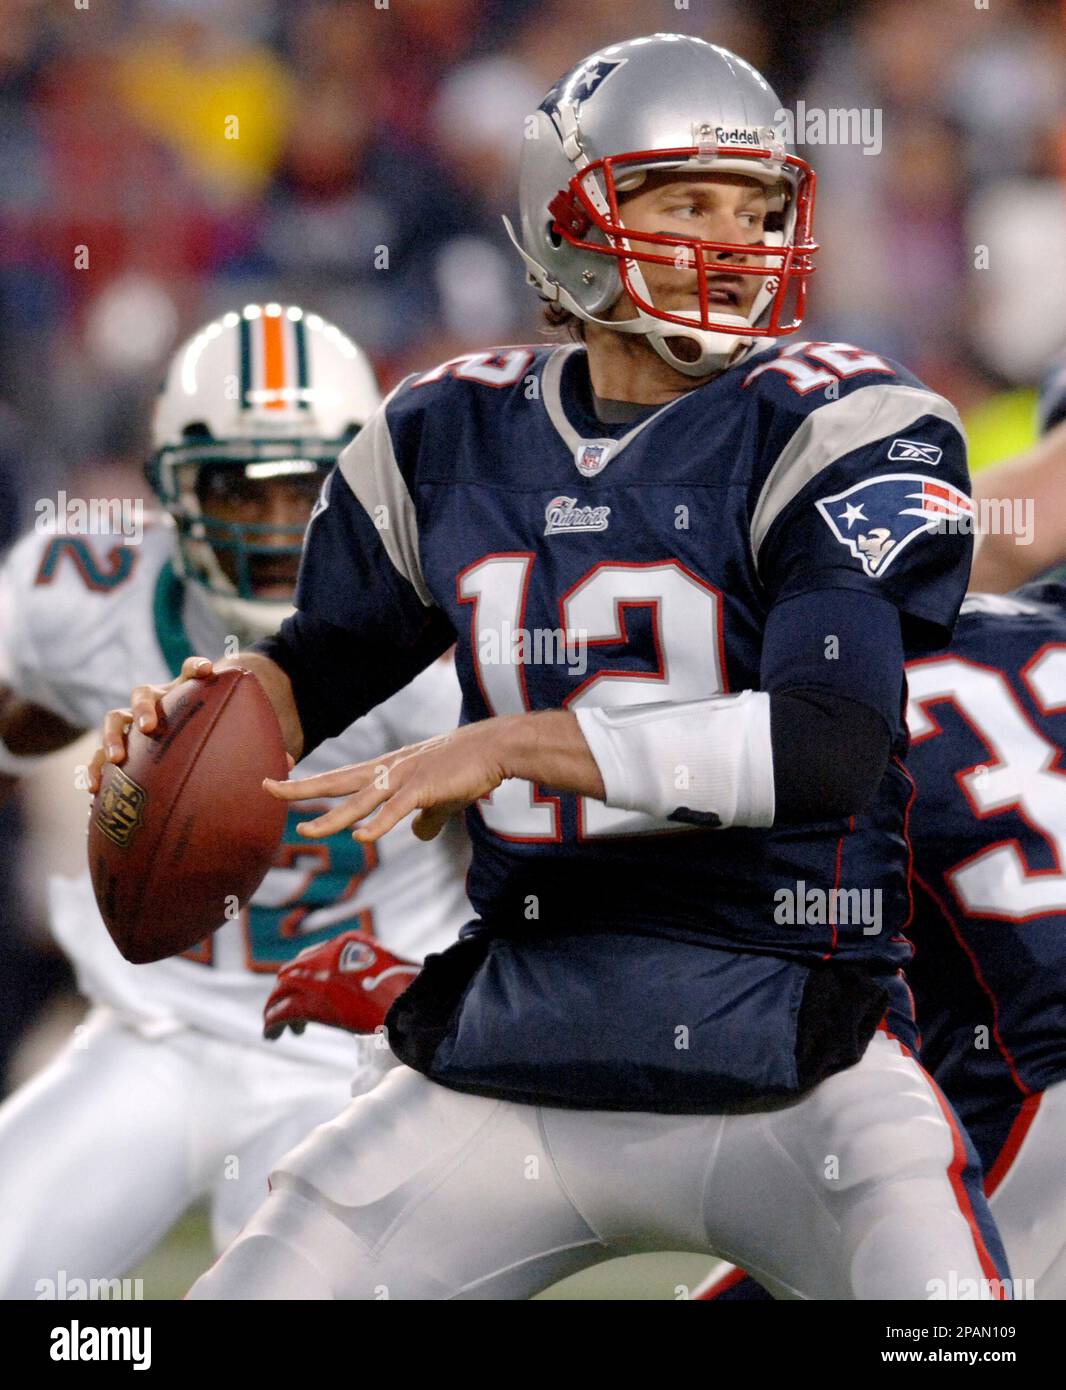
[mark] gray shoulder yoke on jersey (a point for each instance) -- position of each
(370, 469)
(836, 429)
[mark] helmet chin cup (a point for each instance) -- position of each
(713, 352)
(710, 351)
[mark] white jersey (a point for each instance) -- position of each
(85, 619)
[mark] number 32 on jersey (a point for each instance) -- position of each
(687, 618)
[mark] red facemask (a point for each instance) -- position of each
(578, 209)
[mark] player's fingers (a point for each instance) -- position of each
(95, 770)
(342, 781)
(391, 813)
(144, 706)
(196, 668)
(273, 1031)
(275, 1014)
(352, 809)
(428, 824)
(144, 702)
(116, 725)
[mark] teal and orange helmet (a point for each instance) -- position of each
(267, 395)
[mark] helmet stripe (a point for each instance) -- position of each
(246, 360)
(301, 363)
(273, 361)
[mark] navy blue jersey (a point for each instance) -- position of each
(988, 726)
(576, 562)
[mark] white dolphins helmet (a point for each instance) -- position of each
(664, 102)
(270, 392)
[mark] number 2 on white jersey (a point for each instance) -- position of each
(1022, 774)
(687, 618)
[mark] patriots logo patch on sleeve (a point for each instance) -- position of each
(878, 518)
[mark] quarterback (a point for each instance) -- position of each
(169, 1092)
(629, 1048)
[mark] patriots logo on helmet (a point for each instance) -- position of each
(878, 518)
(578, 85)
(356, 955)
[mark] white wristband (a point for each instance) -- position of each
(711, 756)
(13, 765)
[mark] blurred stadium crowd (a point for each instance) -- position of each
(358, 158)
(354, 156)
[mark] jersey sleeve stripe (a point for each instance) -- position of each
(369, 467)
(833, 430)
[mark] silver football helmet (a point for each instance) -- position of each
(663, 102)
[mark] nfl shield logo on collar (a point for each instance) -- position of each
(879, 517)
(591, 456)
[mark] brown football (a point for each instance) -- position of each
(182, 834)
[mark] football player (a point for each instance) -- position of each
(684, 564)
(988, 829)
(988, 731)
(989, 973)
(168, 1091)
(989, 970)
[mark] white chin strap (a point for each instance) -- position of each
(713, 351)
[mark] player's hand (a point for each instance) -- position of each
(144, 712)
(437, 778)
(349, 982)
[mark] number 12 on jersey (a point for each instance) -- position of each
(686, 616)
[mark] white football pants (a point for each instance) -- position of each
(1027, 1202)
(105, 1148)
(415, 1191)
